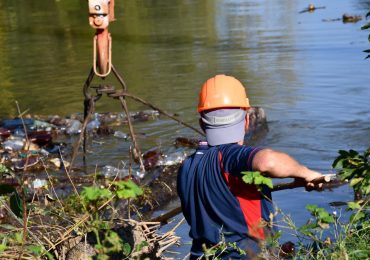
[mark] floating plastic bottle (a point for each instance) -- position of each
(37, 184)
(120, 134)
(74, 127)
(172, 159)
(15, 144)
(42, 124)
(94, 124)
(111, 171)
(16, 123)
(19, 132)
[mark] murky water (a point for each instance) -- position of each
(309, 75)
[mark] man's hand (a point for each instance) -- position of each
(312, 181)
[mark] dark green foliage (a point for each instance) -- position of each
(365, 27)
(14, 200)
(355, 168)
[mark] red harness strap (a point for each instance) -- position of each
(249, 199)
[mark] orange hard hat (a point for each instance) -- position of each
(222, 91)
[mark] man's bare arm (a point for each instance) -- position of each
(280, 165)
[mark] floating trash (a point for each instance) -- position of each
(173, 159)
(120, 134)
(30, 161)
(74, 127)
(40, 138)
(94, 124)
(151, 158)
(14, 144)
(16, 123)
(110, 171)
(42, 124)
(60, 163)
(4, 133)
(38, 183)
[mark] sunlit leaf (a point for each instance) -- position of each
(366, 26)
(353, 205)
(94, 193)
(355, 181)
(311, 207)
(37, 250)
(2, 247)
(127, 189)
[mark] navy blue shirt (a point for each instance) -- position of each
(216, 203)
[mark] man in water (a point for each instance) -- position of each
(219, 207)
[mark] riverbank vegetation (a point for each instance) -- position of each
(89, 223)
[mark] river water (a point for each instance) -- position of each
(308, 74)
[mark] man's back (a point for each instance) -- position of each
(216, 203)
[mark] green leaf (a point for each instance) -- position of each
(127, 189)
(126, 249)
(355, 181)
(141, 246)
(37, 250)
(16, 205)
(256, 178)
(126, 194)
(360, 215)
(326, 217)
(366, 26)
(353, 205)
(311, 208)
(94, 193)
(367, 51)
(343, 153)
(18, 237)
(3, 168)
(367, 191)
(346, 174)
(368, 56)
(248, 177)
(268, 183)
(3, 247)
(368, 14)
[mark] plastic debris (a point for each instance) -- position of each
(40, 137)
(29, 162)
(43, 124)
(16, 123)
(172, 159)
(74, 127)
(37, 184)
(19, 132)
(110, 171)
(120, 134)
(4, 133)
(59, 163)
(94, 124)
(29, 146)
(14, 144)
